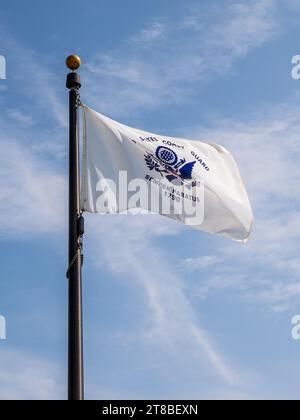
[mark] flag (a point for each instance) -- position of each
(194, 182)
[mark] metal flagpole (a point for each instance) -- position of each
(76, 230)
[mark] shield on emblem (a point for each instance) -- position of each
(166, 155)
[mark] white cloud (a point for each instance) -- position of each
(31, 193)
(244, 26)
(193, 49)
(194, 264)
(23, 376)
(154, 31)
(20, 117)
(278, 295)
(32, 186)
(128, 250)
(35, 81)
(268, 268)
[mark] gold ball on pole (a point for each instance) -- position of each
(73, 62)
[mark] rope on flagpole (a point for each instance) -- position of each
(74, 259)
(80, 227)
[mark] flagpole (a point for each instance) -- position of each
(75, 327)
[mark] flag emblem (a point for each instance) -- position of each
(168, 165)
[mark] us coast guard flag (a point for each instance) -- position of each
(194, 182)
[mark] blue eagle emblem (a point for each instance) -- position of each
(167, 163)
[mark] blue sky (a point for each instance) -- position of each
(169, 312)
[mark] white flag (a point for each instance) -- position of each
(194, 182)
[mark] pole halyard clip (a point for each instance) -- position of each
(80, 232)
(78, 100)
(80, 225)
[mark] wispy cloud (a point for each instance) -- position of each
(35, 81)
(266, 148)
(173, 319)
(244, 26)
(20, 117)
(194, 264)
(32, 183)
(193, 49)
(155, 31)
(26, 377)
(31, 193)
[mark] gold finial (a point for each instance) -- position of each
(73, 62)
